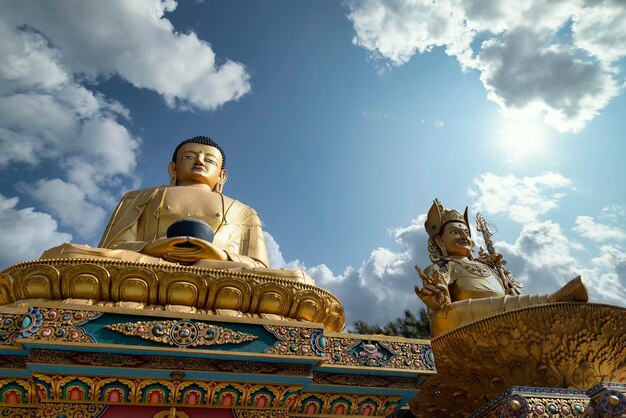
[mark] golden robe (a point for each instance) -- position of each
(144, 215)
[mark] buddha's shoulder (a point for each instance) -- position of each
(236, 207)
(143, 194)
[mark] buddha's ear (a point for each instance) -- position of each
(221, 180)
(171, 168)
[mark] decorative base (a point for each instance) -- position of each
(604, 400)
(210, 290)
(559, 345)
(61, 358)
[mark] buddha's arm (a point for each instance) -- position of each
(121, 232)
(246, 242)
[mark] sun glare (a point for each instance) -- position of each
(521, 138)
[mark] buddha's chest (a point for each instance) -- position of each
(189, 202)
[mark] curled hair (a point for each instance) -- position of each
(204, 140)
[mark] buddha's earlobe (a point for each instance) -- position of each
(220, 181)
(171, 168)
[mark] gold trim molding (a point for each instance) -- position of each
(178, 287)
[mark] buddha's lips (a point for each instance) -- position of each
(198, 168)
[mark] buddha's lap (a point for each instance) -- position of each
(81, 251)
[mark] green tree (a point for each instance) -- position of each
(410, 326)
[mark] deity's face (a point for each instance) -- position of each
(198, 164)
(456, 240)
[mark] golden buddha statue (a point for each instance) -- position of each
(460, 289)
(184, 247)
(137, 231)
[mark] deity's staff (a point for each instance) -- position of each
(508, 281)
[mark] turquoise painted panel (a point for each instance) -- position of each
(96, 329)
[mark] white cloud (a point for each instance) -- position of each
(26, 233)
(69, 204)
(273, 252)
(598, 232)
(525, 72)
(544, 259)
(135, 41)
(53, 57)
(397, 29)
(614, 213)
(526, 63)
(521, 199)
(47, 116)
(600, 29)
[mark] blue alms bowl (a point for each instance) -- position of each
(190, 227)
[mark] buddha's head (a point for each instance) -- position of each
(198, 160)
(448, 231)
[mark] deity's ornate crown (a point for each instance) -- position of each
(438, 217)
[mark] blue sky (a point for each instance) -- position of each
(341, 123)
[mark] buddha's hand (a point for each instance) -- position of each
(184, 250)
(435, 293)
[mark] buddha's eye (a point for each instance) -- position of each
(210, 161)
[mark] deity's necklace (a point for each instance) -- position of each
(474, 267)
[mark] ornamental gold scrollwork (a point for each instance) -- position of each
(260, 413)
(143, 390)
(12, 361)
(384, 354)
(164, 362)
(365, 380)
(53, 410)
(46, 324)
(182, 333)
(297, 341)
(158, 391)
(19, 411)
(316, 403)
(534, 402)
(105, 281)
(16, 391)
(565, 344)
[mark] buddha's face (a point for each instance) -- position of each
(456, 240)
(198, 164)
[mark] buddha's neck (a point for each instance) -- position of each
(202, 186)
